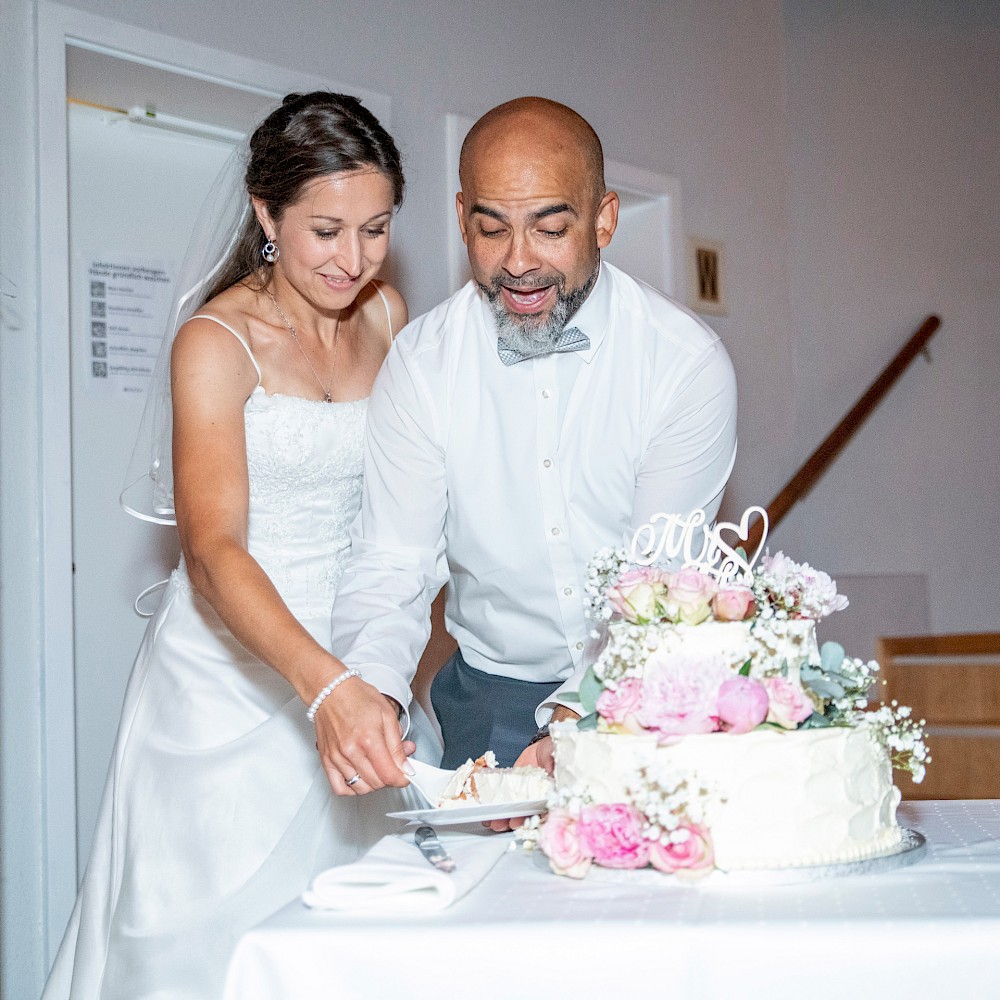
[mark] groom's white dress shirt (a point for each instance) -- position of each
(504, 481)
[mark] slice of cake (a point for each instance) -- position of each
(482, 782)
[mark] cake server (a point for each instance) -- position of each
(429, 781)
(430, 847)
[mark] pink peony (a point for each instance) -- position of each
(690, 850)
(612, 836)
(560, 842)
(788, 703)
(681, 693)
(689, 596)
(802, 591)
(620, 706)
(734, 604)
(636, 593)
(742, 704)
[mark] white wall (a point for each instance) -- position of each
(832, 154)
(894, 202)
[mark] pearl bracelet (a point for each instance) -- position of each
(328, 690)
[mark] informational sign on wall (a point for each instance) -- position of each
(124, 313)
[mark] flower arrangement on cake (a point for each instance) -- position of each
(717, 649)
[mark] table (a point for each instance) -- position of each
(925, 931)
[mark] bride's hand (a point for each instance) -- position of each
(359, 740)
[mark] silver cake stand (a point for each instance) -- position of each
(910, 850)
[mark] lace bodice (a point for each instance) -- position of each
(304, 460)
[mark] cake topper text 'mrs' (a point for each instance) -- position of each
(723, 548)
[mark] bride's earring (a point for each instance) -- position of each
(270, 252)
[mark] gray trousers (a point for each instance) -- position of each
(479, 712)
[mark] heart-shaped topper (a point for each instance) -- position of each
(729, 560)
(721, 555)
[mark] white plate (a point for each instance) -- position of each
(471, 814)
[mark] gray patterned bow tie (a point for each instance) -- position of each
(571, 339)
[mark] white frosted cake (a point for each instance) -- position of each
(771, 799)
(715, 733)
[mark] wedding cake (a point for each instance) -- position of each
(715, 733)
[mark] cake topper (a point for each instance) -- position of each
(721, 555)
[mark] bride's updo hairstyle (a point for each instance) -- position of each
(307, 137)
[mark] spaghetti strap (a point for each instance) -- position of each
(388, 315)
(239, 337)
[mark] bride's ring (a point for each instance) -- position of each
(354, 780)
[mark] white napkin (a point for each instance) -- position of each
(394, 877)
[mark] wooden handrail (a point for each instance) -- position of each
(833, 444)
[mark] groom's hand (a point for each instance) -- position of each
(360, 741)
(536, 754)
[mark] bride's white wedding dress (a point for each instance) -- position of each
(216, 810)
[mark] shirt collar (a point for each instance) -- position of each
(594, 315)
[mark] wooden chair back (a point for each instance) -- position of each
(953, 682)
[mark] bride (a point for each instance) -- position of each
(217, 809)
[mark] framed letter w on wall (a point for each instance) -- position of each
(707, 269)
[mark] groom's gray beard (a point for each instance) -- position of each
(518, 331)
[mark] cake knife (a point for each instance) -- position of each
(430, 847)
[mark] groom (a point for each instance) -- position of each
(544, 411)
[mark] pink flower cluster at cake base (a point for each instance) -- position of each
(612, 836)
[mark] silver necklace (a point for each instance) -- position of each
(327, 398)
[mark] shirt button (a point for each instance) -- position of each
(546, 393)
(568, 591)
(555, 531)
(547, 463)
(579, 645)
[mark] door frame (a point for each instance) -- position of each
(59, 27)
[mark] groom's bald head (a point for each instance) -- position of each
(530, 130)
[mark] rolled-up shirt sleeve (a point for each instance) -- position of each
(381, 616)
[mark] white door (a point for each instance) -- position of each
(134, 194)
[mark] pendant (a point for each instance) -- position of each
(327, 398)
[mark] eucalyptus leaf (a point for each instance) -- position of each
(571, 696)
(816, 721)
(590, 690)
(832, 655)
(828, 690)
(745, 669)
(587, 722)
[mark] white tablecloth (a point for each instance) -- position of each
(926, 931)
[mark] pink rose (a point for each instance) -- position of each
(636, 594)
(690, 849)
(620, 706)
(681, 693)
(742, 704)
(689, 596)
(789, 704)
(560, 842)
(612, 836)
(734, 604)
